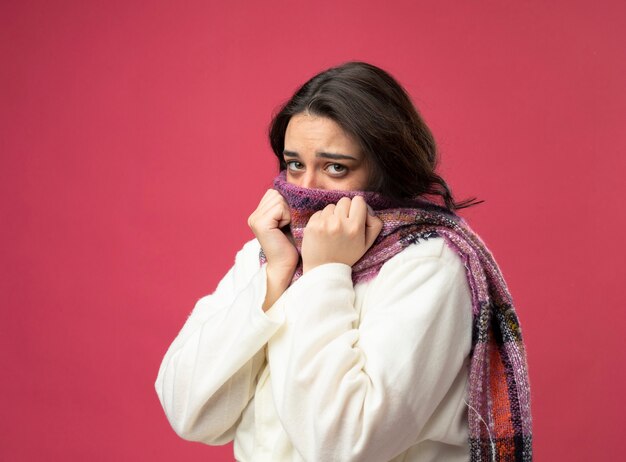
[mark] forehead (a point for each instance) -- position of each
(319, 132)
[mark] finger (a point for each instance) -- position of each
(261, 208)
(277, 208)
(315, 217)
(373, 227)
(270, 200)
(343, 207)
(285, 216)
(265, 198)
(358, 210)
(270, 197)
(274, 207)
(329, 210)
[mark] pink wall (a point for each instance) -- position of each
(132, 140)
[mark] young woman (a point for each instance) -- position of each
(365, 321)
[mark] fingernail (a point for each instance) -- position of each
(370, 210)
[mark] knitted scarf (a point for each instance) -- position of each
(499, 393)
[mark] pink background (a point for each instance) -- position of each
(132, 140)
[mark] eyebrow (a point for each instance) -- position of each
(327, 155)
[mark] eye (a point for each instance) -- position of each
(294, 165)
(337, 169)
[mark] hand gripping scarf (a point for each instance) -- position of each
(499, 393)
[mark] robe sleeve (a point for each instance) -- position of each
(209, 372)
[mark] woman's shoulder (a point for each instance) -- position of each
(433, 248)
(422, 260)
(246, 263)
(249, 252)
(251, 247)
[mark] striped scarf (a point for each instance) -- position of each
(499, 392)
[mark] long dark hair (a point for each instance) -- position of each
(370, 105)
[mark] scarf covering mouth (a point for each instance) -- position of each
(500, 424)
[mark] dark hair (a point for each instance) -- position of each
(370, 105)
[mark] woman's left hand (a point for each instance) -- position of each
(339, 233)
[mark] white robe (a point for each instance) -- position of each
(331, 372)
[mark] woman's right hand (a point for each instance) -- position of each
(282, 256)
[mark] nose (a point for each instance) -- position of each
(310, 181)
